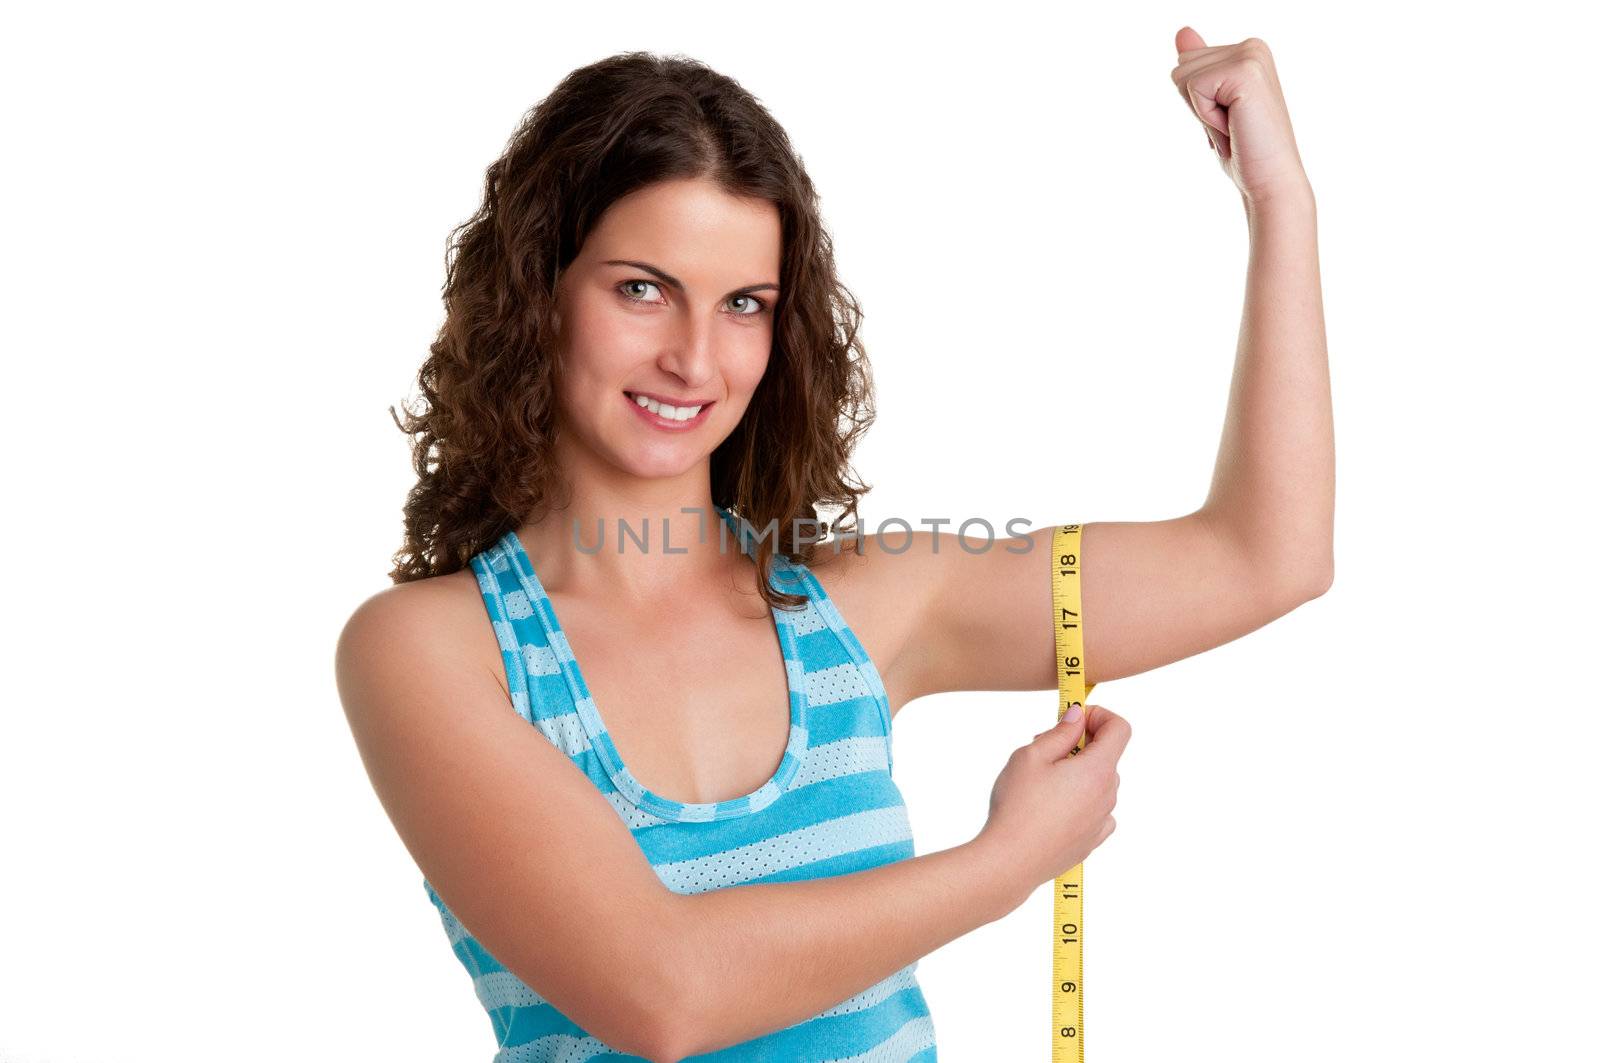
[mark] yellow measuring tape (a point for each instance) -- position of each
(1066, 1032)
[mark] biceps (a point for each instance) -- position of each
(1153, 592)
(990, 625)
(1158, 591)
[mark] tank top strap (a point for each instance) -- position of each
(837, 666)
(532, 659)
(864, 668)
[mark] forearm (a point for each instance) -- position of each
(762, 957)
(1273, 488)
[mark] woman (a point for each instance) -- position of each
(647, 382)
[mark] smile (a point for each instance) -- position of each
(665, 416)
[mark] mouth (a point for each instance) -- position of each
(666, 416)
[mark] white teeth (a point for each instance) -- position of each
(674, 413)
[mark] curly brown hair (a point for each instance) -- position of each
(482, 441)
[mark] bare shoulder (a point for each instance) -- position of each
(421, 623)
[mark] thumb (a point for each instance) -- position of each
(1058, 741)
(1188, 40)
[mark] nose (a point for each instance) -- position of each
(690, 353)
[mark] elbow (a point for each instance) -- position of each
(659, 1040)
(1324, 578)
(678, 1027)
(1290, 587)
(672, 1033)
(1314, 583)
(698, 1009)
(651, 1025)
(1301, 572)
(628, 1020)
(1325, 583)
(667, 1001)
(647, 1011)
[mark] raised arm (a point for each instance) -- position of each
(1154, 592)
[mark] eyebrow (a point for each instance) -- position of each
(674, 282)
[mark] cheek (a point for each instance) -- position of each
(746, 370)
(603, 345)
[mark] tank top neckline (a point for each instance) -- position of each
(594, 722)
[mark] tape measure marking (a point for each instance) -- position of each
(1066, 935)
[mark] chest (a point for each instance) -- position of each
(696, 700)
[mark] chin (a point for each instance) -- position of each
(665, 464)
(671, 470)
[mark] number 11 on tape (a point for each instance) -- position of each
(1066, 935)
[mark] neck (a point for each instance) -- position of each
(647, 541)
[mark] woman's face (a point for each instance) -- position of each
(670, 299)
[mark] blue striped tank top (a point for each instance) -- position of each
(832, 808)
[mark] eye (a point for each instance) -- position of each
(760, 305)
(625, 284)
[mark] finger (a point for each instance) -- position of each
(1098, 716)
(1058, 741)
(1102, 722)
(1189, 78)
(1075, 719)
(1215, 118)
(1206, 108)
(1108, 737)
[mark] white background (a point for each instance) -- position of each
(1364, 831)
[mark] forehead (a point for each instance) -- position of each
(692, 226)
